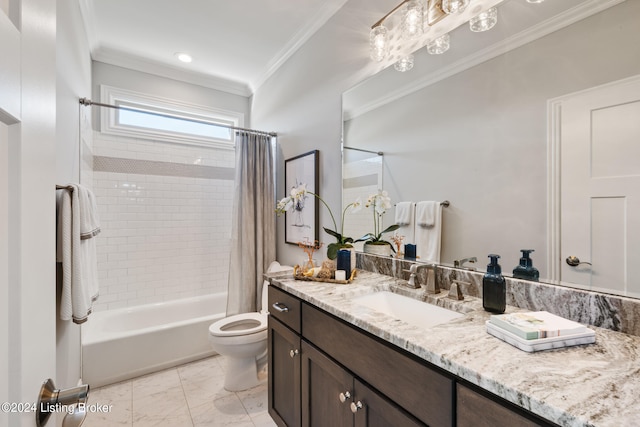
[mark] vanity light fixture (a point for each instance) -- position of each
(439, 45)
(405, 64)
(484, 21)
(414, 24)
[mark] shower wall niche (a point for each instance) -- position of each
(165, 211)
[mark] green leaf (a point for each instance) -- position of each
(332, 250)
(333, 233)
(391, 228)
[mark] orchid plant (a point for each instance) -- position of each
(296, 198)
(380, 202)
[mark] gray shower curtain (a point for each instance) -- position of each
(253, 232)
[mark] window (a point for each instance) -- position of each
(146, 116)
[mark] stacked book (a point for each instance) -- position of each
(538, 330)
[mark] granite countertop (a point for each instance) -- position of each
(588, 385)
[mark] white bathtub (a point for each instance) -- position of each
(125, 343)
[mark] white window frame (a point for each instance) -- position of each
(109, 123)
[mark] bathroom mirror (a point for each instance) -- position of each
(472, 125)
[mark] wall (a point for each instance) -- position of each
(73, 69)
(165, 211)
(302, 102)
(483, 143)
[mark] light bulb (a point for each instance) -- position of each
(412, 20)
(454, 6)
(378, 43)
(439, 45)
(484, 21)
(405, 64)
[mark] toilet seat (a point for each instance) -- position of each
(239, 325)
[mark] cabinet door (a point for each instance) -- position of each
(373, 410)
(284, 375)
(326, 391)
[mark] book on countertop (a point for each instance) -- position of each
(534, 325)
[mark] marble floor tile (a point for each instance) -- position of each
(191, 395)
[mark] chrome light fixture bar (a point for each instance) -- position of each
(387, 43)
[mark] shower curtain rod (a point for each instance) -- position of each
(87, 102)
(379, 153)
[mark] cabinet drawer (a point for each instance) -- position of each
(420, 390)
(476, 410)
(285, 308)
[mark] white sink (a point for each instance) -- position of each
(412, 311)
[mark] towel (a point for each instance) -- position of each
(405, 213)
(76, 250)
(428, 237)
(426, 213)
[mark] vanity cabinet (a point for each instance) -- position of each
(326, 372)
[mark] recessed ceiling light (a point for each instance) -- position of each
(184, 57)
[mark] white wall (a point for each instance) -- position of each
(73, 65)
(302, 102)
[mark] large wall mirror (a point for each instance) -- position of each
(474, 126)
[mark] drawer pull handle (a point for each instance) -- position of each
(356, 406)
(293, 353)
(344, 396)
(280, 307)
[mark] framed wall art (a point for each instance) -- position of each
(302, 222)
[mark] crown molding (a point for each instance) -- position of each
(297, 41)
(535, 32)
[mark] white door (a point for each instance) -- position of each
(600, 188)
(27, 205)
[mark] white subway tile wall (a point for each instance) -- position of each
(165, 212)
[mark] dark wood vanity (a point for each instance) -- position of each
(326, 372)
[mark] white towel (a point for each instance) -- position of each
(428, 238)
(405, 213)
(426, 213)
(76, 213)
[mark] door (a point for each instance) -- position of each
(600, 188)
(284, 374)
(27, 203)
(326, 391)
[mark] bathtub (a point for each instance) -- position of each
(125, 343)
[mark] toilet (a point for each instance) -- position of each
(242, 339)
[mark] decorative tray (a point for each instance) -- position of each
(298, 275)
(588, 337)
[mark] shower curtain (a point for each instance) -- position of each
(253, 232)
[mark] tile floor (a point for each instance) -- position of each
(190, 395)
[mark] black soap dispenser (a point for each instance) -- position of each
(494, 287)
(526, 270)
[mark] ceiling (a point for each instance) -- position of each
(236, 45)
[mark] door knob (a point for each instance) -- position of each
(356, 406)
(293, 353)
(344, 396)
(574, 261)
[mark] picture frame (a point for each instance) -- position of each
(302, 224)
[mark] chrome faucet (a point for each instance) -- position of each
(431, 286)
(459, 263)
